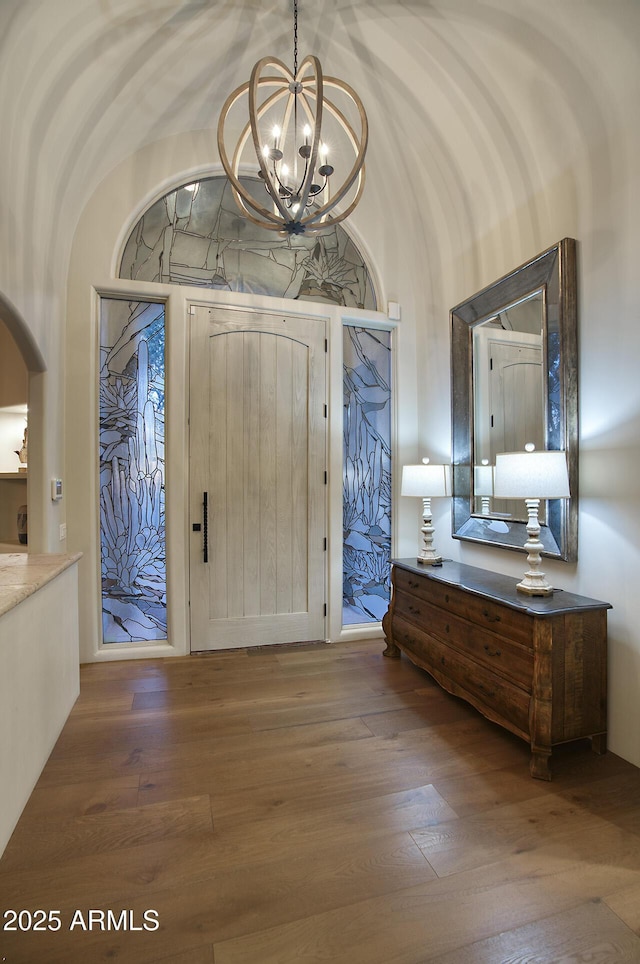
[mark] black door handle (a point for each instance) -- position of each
(205, 527)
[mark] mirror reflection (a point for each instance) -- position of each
(508, 395)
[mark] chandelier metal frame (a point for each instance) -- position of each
(301, 92)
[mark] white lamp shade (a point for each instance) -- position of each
(531, 475)
(483, 480)
(425, 481)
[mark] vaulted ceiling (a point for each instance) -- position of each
(474, 105)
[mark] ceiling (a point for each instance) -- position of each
(474, 105)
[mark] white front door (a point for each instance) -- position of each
(516, 402)
(257, 478)
(516, 395)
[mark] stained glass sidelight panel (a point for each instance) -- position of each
(132, 471)
(366, 474)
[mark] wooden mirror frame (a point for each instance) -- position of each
(553, 272)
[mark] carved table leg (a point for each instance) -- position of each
(539, 764)
(392, 650)
(599, 743)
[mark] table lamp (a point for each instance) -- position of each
(483, 484)
(532, 476)
(427, 482)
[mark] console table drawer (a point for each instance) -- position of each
(502, 620)
(496, 698)
(501, 656)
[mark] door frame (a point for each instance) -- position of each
(178, 300)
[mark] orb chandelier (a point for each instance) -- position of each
(300, 125)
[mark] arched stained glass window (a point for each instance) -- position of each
(195, 235)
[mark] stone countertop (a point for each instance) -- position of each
(22, 574)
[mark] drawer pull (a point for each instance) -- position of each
(413, 585)
(490, 616)
(413, 610)
(493, 652)
(483, 689)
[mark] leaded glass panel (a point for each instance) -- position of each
(367, 474)
(132, 471)
(196, 235)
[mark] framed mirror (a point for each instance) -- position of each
(514, 380)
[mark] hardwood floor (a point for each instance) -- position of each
(310, 804)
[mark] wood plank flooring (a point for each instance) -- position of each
(293, 805)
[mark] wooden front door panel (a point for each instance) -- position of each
(258, 450)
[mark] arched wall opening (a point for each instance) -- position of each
(21, 369)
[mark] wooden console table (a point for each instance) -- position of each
(535, 665)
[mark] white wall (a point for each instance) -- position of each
(550, 151)
(39, 683)
(509, 127)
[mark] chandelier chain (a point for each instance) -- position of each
(295, 38)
